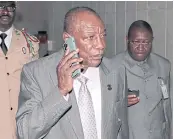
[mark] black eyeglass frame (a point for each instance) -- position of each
(9, 8)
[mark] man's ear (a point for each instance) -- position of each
(65, 36)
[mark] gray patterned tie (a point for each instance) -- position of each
(86, 110)
(3, 46)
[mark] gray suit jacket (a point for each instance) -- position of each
(151, 117)
(44, 113)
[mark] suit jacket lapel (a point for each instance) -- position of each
(74, 117)
(107, 99)
(152, 68)
(114, 90)
(105, 104)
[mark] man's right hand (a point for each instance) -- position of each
(65, 70)
(132, 100)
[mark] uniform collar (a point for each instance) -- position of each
(147, 66)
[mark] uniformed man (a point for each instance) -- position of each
(17, 48)
(149, 110)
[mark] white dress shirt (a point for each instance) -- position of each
(94, 87)
(8, 38)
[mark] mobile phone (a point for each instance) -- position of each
(70, 43)
(133, 92)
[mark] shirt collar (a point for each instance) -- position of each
(91, 73)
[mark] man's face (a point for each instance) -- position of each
(140, 44)
(7, 14)
(89, 34)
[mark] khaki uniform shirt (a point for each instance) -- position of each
(10, 69)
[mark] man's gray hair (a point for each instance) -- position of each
(70, 16)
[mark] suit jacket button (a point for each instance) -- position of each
(8, 73)
(11, 108)
(6, 57)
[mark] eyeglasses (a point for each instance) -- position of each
(137, 43)
(8, 8)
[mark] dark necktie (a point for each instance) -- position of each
(3, 46)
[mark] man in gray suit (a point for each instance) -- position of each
(51, 102)
(149, 109)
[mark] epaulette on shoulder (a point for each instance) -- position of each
(30, 39)
(29, 36)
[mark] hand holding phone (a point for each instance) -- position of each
(133, 97)
(65, 70)
(70, 43)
